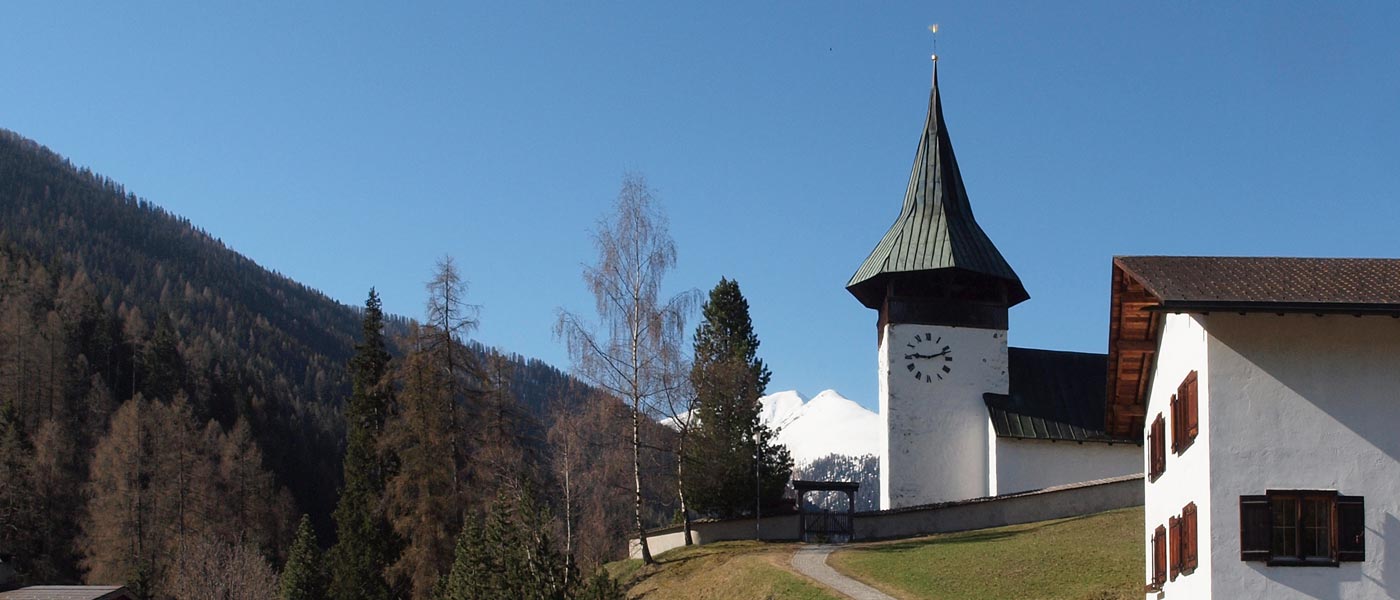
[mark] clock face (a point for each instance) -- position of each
(928, 358)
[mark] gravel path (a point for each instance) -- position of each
(811, 561)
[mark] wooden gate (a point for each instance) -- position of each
(826, 526)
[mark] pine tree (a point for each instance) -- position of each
(303, 577)
(365, 544)
(728, 436)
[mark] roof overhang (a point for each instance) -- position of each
(1134, 332)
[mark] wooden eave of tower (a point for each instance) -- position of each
(1134, 333)
(935, 241)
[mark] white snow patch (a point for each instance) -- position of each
(827, 424)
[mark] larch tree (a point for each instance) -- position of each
(120, 540)
(729, 440)
(639, 335)
(365, 543)
(437, 379)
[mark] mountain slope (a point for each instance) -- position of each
(106, 294)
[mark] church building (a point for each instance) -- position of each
(964, 415)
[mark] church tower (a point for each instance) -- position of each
(943, 292)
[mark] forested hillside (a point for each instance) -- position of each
(118, 318)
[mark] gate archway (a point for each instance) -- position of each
(826, 526)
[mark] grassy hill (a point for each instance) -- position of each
(722, 571)
(1094, 557)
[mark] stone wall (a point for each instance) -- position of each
(1026, 507)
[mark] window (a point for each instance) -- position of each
(1301, 527)
(1185, 416)
(1159, 558)
(1181, 533)
(1157, 444)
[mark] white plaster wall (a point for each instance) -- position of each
(1022, 465)
(1188, 476)
(937, 441)
(1304, 402)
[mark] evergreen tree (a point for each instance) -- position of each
(728, 437)
(511, 557)
(303, 578)
(365, 544)
(18, 506)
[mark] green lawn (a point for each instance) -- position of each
(1095, 557)
(726, 570)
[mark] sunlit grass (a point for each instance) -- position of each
(1095, 557)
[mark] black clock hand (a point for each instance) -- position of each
(914, 356)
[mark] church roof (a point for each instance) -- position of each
(1053, 395)
(935, 229)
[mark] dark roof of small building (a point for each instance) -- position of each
(1268, 283)
(802, 485)
(1054, 395)
(69, 592)
(935, 229)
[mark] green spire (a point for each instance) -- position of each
(935, 229)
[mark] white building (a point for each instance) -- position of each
(1269, 391)
(964, 415)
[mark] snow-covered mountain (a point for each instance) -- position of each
(826, 424)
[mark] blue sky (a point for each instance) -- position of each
(350, 144)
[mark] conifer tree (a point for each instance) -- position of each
(365, 544)
(303, 577)
(728, 436)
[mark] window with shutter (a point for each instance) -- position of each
(1159, 557)
(1157, 441)
(1174, 544)
(1302, 528)
(1188, 538)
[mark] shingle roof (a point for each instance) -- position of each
(69, 592)
(1053, 395)
(1268, 283)
(935, 228)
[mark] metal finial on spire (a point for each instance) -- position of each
(934, 30)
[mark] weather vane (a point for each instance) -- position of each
(934, 30)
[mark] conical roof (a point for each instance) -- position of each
(935, 229)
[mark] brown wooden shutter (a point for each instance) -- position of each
(1188, 538)
(1152, 451)
(1192, 422)
(1174, 544)
(1351, 528)
(1158, 463)
(1159, 556)
(1177, 432)
(1254, 528)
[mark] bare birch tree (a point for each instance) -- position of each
(639, 335)
(677, 406)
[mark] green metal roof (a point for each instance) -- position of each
(1053, 395)
(935, 229)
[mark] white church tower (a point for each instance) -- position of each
(942, 291)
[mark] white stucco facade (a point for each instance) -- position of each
(1292, 402)
(937, 435)
(1182, 349)
(1019, 465)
